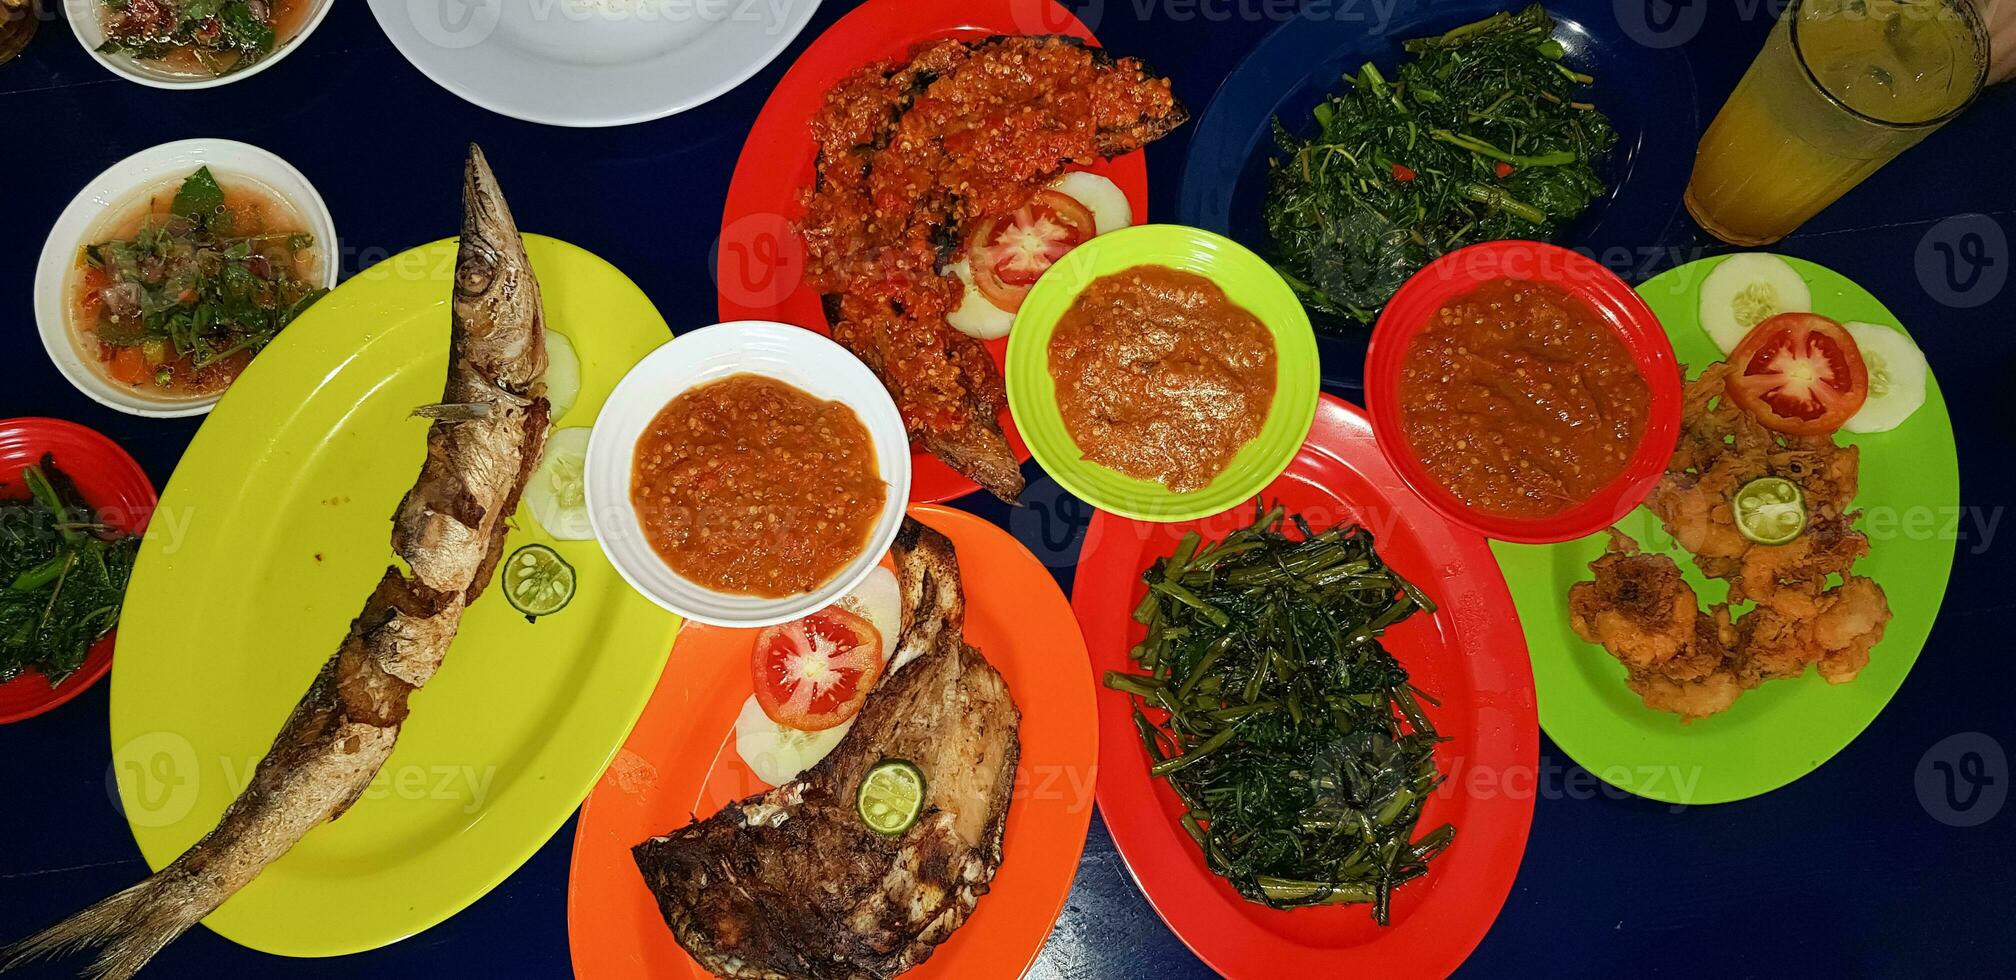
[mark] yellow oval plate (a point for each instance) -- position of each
(272, 532)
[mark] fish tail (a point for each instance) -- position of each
(127, 929)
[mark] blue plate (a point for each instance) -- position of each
(1646, 90)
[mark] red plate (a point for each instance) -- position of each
(760, 261)
(1470, 655)
(680, 762)
(115, 486)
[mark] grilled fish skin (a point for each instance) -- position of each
(449, 530)
(791, 885)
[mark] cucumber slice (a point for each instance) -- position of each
(563, 374)
(891, 797)
(879, 600)
(977, 316)
(775, 753)
(1770, 510)
(555, 493)
(1108, 203)
(537, 581)
(1897, 373)
(1747, 289)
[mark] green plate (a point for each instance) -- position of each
(1784, 729)
(274, 529)
(1248, 281)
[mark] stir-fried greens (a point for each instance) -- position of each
(64, 573)
(1481, 137)
(222, 36)
(1292, 737)
(192, 288)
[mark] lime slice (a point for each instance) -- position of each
(891, 797)
(537, 581)
(1770, 510)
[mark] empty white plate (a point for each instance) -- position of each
(590, 62)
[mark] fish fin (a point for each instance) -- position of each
(453, 412)
(127, 929)
(979, 452)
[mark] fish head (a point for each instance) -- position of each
(496, 296)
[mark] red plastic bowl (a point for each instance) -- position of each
(1611, 298)
(115, 486)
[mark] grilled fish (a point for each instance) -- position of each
(792, 885)
(912, 155)
(449, 530)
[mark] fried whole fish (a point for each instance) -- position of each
(449, 530)
(914, 153)
(792, 885)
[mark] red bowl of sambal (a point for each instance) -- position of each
(1524, 391)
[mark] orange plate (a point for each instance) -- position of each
(680, 762)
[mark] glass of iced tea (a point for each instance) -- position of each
(1841, 87)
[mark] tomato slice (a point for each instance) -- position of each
(1799, 373)
(1007, 255)
(814, 673)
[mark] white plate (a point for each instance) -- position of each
(590, 62)
(793, 355)
(83, 16)
(159, 169)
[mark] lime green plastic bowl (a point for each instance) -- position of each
(1248, 281)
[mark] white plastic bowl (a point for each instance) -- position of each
(90, 30)
(793, 355)
(157, 170)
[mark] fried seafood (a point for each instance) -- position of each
(1639, 608)
(1709, 695)
(1692, 662)
(1834, 638)
(1721, 448)
(910, 153)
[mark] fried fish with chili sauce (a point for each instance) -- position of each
(914, 153)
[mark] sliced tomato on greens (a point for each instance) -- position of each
(814, 673)
(1800, 374)
(1007, 255)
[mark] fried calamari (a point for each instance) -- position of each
(1809, 609)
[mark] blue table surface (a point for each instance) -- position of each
(1872, 865)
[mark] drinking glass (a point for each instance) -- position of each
(1841, 87)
